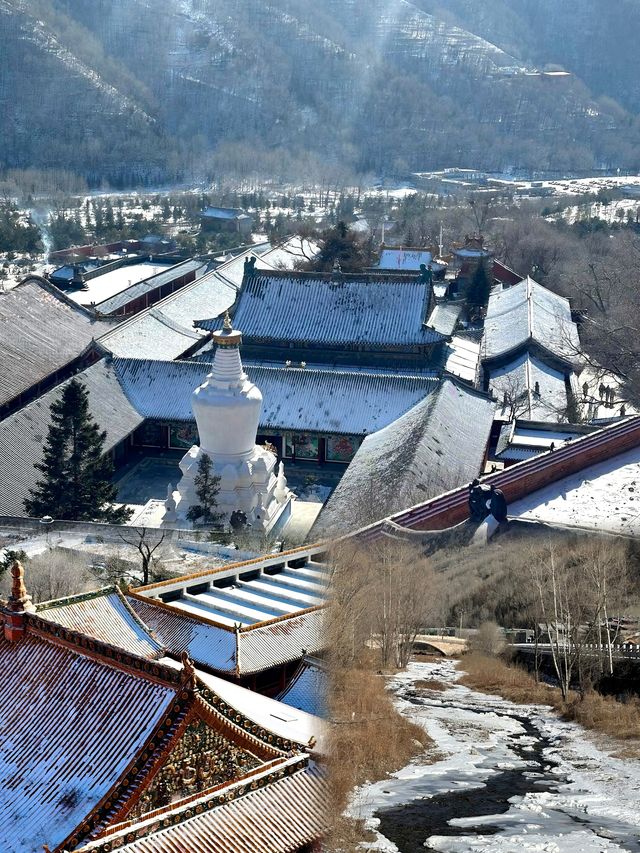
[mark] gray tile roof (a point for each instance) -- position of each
(529, 313)
(444, 317)
(436, 446)
(308, 399)
(374, 311)
(166, 330)
(23, 433)
(108, 306)
(519, 378)
(41, 333)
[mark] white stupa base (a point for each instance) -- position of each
(250, 486)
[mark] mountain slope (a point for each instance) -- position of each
(134, 90)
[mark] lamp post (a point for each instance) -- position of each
(46, 521)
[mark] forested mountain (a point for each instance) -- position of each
(141, 91)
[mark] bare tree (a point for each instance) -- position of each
(146, 543)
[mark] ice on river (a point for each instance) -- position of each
(578, 798)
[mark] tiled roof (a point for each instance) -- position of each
(166, 330)
(246, 617)
(522, 439)
(437, 445)
(462, 358)
(444, 317)
(519, 378)
(23, 433)
(404, 259)
(309, 399)
(223, 212)
(528, 312)
(288, 640)
(151, 334)
(284, 816)
(41, 332)
(119, 300)
(207, 645)
(308, 689)
(69, 728)
(106, 616)
(375, 311)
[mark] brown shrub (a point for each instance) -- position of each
(430, 684)
(603, 714)
(369, 740)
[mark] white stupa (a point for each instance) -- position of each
(227, 408)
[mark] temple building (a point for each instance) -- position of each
(111, 742)
(531, 352)
(373, 319)
(227, 410)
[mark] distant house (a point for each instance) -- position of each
(231, 219)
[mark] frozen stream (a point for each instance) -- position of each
(509, 778)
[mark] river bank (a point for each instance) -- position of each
(512, 777)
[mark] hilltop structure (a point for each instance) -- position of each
(227, 409)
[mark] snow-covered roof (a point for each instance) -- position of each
(153, 281)
(106, 616)
(243, 618)
(308, 689)
(373, 311)
(294, 398)
(523, 439)
(71, 725)
(529, 313)
(437, 445)
(602, 497)
(151, 334)
(23, 433)
(282, 808)
(404, 259)
(519, 379)
(444, 317)
(228, 213)
(463, 358)
(41, 333)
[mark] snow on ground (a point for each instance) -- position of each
(603, 497)
(579, 797)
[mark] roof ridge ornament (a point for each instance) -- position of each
(19, 600)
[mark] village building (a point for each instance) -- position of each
(45, 338)
(182, 759)
(228, 219)
(227, 408)
(437, 445)
(531, 354)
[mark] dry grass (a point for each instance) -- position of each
(430, 684)
(369, 740)
(602, 714)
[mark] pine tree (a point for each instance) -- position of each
(207, 488)
(479, 287)
(76, 483)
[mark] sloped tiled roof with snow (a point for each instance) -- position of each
(23, 433)
(373, 311)
(529, 313)
(308, 689)
(41, 333)
(519, 380)
(70, 726)
(438, 445)
(106, 616)
(309, 399)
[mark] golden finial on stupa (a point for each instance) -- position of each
(227, 322)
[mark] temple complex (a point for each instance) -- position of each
(227, 410)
